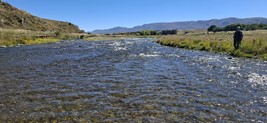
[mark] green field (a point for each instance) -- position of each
(254, 44)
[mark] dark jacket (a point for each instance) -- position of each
(238, 36)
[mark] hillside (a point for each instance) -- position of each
(187, 25)
(13, 18)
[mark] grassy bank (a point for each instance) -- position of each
(94, 37)
(254, 44)
(12, 37)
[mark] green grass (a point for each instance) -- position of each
(12, 37)
(254, 44)
(93, 37)
(100, 37)
(15, 37)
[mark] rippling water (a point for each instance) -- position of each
(129, 80)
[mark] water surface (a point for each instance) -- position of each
(129, 80)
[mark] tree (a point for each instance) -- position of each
(212, 28)
(232, 27)
(169, 32)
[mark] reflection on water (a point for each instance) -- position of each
(128, 80)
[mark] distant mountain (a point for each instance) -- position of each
(187, 25)
(13, 18)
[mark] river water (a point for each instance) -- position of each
(133, 80)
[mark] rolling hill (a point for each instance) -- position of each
(187, 25)
(13, 18)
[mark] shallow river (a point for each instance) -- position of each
(133, 80)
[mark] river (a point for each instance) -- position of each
(131, 80)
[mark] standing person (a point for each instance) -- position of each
(238, 36)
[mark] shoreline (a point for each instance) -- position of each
(19, 37)
(254, 45)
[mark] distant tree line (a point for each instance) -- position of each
(232, 27)
(169, 32)
(149, 32)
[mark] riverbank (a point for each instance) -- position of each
(254, 44)
(16, 37)
(100, 37)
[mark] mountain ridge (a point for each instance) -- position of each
(185, 25)
(14, 18)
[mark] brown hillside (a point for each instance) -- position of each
(13, 18)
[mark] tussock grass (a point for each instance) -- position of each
(14, 37)
(254, 44)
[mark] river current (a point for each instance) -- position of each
(128, 80)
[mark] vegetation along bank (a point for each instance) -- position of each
(254, 44)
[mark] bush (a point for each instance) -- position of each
(58, 34)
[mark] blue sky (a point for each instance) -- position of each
(102, 14)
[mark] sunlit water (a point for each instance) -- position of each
(129, 80)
